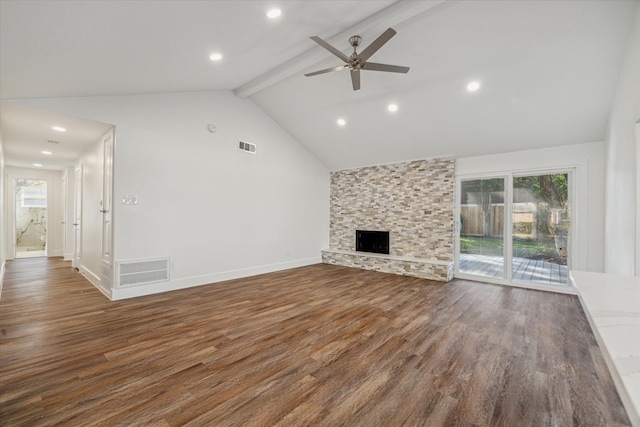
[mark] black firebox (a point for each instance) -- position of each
(372, 241)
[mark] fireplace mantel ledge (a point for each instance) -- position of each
(390, 257)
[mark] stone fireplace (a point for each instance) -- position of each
(372, 241)
(413, 201)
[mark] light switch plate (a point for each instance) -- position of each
(130, 200)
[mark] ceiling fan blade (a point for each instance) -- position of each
(377, 44)
(330, 48)
(355, 79)
(326, 70)
(372, 66)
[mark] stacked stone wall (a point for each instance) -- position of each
(412, 200)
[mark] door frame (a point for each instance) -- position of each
(572, 172)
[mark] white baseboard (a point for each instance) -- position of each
(95, 281)
(53, 253)
(189, 282)
(68, 257)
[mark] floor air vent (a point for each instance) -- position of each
(132, 273)
(247, 146)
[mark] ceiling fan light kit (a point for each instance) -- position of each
(358, 61)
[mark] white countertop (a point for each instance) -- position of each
(612, 304)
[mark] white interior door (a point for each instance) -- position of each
(637, 260)
(65, 214)
(77, 219)
(107, 175)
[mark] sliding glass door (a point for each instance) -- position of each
(482, 227)
(541, 226)
(515, 228)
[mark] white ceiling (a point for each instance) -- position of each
(548, 68)
(28, 131)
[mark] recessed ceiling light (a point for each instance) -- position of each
(392, 107)
(215, 56)
(58, 128)
(473, 86)
(341, 122)
(274, 13)
(38, 165)
(48, 153)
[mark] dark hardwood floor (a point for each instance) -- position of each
(319, 345)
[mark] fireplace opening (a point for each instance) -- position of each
(372, 241)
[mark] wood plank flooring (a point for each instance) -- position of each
(320, 345)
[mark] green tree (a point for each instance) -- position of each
(549, 192)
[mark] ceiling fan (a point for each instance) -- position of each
(358, 61)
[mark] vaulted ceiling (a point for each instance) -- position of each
(547, 69)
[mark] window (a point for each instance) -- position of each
(33, 198)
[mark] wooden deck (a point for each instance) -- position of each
(524, 269)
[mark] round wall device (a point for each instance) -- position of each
(212, 128)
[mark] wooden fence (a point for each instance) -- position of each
(472, 218)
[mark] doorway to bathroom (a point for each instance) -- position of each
(30, 217)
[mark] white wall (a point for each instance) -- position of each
(589, 189)
(3, 224)
(622, 203)
(54, 207)
(219, 213)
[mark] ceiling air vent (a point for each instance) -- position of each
(247, 146)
